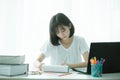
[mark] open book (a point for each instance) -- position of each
(55, 68)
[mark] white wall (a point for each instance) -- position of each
(98, 20)
(24, 24)
(7, 25)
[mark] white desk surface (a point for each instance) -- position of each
(55, 76)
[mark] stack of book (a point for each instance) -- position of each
(12, 65)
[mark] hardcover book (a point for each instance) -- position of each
(12, 58)
(13, 69)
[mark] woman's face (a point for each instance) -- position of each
(63, 32)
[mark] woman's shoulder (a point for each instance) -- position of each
(76, 37)
(48, 42)
(79, 39)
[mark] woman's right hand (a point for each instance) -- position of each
(40, 66)
(39, 62)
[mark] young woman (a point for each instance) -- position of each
(64, 47)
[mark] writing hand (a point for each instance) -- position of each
(40, 66)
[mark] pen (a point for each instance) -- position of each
(95, 58)
(95, 61)
(103, 61)
(64, 74)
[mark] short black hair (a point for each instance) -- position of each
(56, 20)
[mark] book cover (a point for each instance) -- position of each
(12, 58)
(13, 69)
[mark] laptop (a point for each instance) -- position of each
(110, 51)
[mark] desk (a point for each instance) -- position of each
(73, 76)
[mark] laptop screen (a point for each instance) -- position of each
(110, 51)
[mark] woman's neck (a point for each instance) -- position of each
(68, 41)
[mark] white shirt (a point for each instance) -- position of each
(59, 54)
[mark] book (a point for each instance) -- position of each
(12, 58)
(13, 69)
(55, 68)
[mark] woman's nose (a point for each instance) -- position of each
(62, 33)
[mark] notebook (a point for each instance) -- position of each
(110, 51)
(55, 68)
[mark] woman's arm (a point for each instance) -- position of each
(82, 64)
(41, 57)
(38, 62)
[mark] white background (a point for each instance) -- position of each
(24, 24)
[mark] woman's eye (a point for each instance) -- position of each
(57, 32)
(63, 30)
